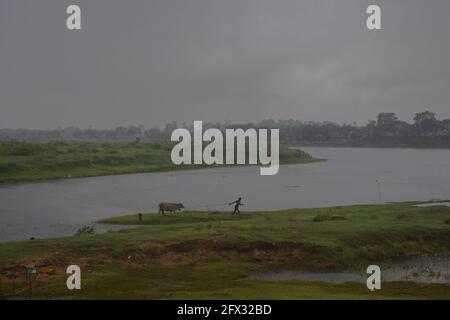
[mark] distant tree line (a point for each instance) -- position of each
(387, 130)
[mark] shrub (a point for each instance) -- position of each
(324, 217)
(9, 166)
(18, 149)
(319, 218)
(85, 230)
(401, 216)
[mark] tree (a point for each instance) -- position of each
(387, 124)
(426, 123)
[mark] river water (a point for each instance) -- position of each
(350, 176)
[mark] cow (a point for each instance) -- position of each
(170, 207)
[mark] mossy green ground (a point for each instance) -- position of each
(24, 161)
(210, 255)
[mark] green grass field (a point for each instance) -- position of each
(210, 255)
(24, 161)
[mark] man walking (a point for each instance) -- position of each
(237, 204)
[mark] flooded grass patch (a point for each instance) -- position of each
(422, 270)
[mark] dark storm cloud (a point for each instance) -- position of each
(149, 62)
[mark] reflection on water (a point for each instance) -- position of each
(424, 270)
(350, 176)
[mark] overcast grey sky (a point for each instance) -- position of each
(152, 61)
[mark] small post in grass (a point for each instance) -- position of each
(31, 273)
(379, 190)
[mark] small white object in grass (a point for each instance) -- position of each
(433, 204)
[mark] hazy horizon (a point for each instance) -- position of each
(190, 123)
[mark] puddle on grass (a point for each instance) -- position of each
(424, 270)
(433, 204)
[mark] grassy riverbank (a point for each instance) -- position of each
(23, 161)
(212, 254)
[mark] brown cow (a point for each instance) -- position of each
(170, 207)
